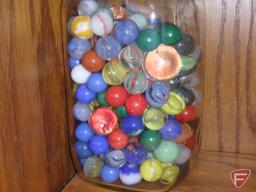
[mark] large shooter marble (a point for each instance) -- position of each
(162, 63)
(103, 121)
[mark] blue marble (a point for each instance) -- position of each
(83, 132)
(96, 83)
(82, 150)
(130, 174)
(157, 94)
(109, 174)
(132, 125)
(171, 130)
(84, 95)
(115, 158)
(108, 47)
(126, 32)
(73, 62)
(81, 111)
(135, 153)
(130, 168)
(98, 144)
(77, 47)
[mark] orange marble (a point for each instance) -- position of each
(162, 63)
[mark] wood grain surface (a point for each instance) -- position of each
(34, 150)
(225, 31)
(210, 173)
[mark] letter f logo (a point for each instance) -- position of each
(239, 177)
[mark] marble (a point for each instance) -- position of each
(150, 139)
(81, 111)
(136, 82)
(115, 158)
(114, 73)
(92, 166)
(151, 170)
(167, 151)
(130, 174)
(154, 118)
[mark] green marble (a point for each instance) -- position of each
(101, 99)
(150, 139)
(170, 34)
(121, 111)
(167, 151)
(188, 63)
(148, 39)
